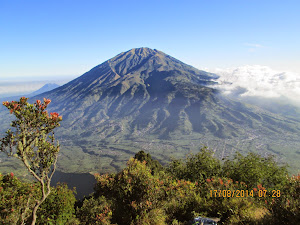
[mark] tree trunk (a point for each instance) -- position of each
(34, 213)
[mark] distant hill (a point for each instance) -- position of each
(45, 88)
(144, 99)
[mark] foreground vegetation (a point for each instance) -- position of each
(145, 192)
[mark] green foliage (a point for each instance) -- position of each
(134, 191)
(16, 199)
(137, 195)
(183, 191)
(231, 209)
(196, 167)
(286, 209)
(95, 211)
(153, 217)
(58, 208)
(254, 169)
(154, 165)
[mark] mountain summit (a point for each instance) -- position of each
(146, 60)
(136, 66)
(146, 99)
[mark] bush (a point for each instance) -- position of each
(95, 211)
(139, 197)
(58, 208)
(286, 208)
(197, 167)
(18, 200)
(134, 191)
(154, 165)
(254, 169)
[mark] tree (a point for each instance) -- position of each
(31, 143)
(17, 199)
(254, 169)
(58, 208)
(154, 165)
(196, 167)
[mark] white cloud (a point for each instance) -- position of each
(259, 81)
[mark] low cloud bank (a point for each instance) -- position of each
(259, 81)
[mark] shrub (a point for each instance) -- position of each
(58, 208)
(95, 211)
(196, 167)
(254, 169)
(16, 200)
(286, 208)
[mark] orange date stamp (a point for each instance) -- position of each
(244, 193)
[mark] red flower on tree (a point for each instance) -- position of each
(221, 181)
(5, 103)
(47, 101)
(16, 106)
(54, 116)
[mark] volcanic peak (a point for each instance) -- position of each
(136, 59)
(139, 68)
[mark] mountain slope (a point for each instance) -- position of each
(146, 99)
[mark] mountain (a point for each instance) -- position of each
(129, 85)
(45, 88)
(144, 99)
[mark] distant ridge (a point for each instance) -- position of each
(45, 88)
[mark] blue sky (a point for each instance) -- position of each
(68, 37)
